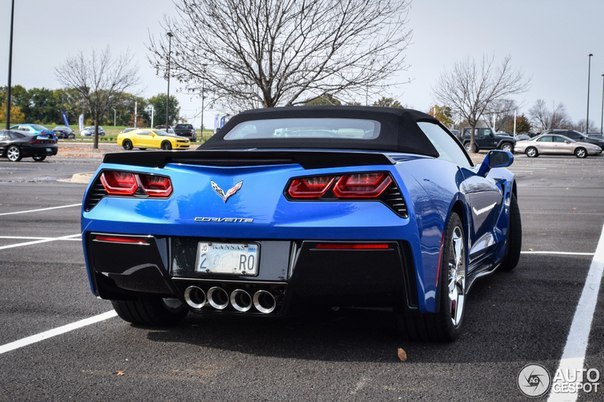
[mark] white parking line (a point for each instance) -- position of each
(573, 357)
(45, 240)
(33, 238)
(557, 253)
(56, 331)
(39, 210)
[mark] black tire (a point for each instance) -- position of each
(39, 158)
(531, 152)
(151, 311)
(127, 144)
(514, 240)
(166, 146)
(581, 152)
(444, 325)
(13, 153)
(507, 146)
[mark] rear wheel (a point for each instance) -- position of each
(13, 153)
(531, 152)
(444, 325)
(506, 146)
(39, 158)
(580, 152)
(514, 240)
(127, 144)
(151, 311)
(166, 146)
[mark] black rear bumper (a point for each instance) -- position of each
(295, 272)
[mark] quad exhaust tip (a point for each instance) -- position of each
(241, 300)
(195, 297)
(264, 302)
(218, 298)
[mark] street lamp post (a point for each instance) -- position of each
(602, 112)
(203, 95)
(170, 35)
(10, 65)
(588, 76)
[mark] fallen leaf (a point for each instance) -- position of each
(120, 373)
(402, 355)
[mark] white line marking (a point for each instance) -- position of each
(557, 253)
(32, 238)
(31, 243)
(56, 331)
(39, 210)
(573, 357)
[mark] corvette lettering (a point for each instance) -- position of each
(223, 220)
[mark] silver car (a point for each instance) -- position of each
(555, 144)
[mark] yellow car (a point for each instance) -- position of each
(144, 138)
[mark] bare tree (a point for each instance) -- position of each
(545, 118)
(265, 53)
(100, 81)
(471, 88)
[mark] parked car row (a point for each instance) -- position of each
(556, 144)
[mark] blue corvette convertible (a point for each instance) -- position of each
(286, 208)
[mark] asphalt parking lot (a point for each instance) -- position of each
(512, 319)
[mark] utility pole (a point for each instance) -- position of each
(10, 65)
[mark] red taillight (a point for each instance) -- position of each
(348, 186)
(119, 183)
(156, 186)
(310, 187)
(121, 239)
(126, 183)
(362, 185)
(352, 246)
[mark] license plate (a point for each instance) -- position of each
(227, 258)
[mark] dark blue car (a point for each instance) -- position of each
(291, 207)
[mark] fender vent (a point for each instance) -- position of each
(394, 199)
(96, 193)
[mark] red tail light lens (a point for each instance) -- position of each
(310, 187)
(156, 186)
(126, 183)
(362, 185)
(119, 183)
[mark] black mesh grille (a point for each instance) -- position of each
(394, 199)
(96, 193)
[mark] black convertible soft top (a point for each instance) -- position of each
(399, 130)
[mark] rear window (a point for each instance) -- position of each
(295, 128)
(185, 126)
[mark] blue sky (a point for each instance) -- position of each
(548, 41)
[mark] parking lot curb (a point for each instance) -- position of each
(82, 178)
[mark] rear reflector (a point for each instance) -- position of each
(352, 246)
(141, 241)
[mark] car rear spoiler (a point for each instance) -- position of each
(306, 158)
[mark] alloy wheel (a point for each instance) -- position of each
(457, 276)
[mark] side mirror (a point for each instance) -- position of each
(495, 159)
(566, 141)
